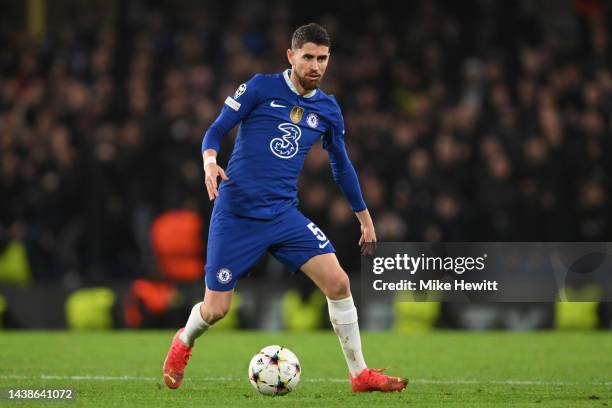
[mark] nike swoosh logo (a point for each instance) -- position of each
(324, 244)
(275, 105)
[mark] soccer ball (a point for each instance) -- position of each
(275, 370)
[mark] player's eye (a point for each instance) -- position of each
(322, 58)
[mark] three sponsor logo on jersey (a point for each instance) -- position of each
(286, 145)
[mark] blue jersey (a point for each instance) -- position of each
(277, 129)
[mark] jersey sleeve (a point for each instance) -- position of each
(235, 109)
(342, 169)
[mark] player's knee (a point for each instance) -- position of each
(213, 314)
(339, 287)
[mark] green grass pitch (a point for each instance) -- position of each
(475, 369)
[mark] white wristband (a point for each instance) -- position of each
(210, 159)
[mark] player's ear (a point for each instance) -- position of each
(290, 55)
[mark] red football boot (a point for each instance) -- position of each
(372, 379)
(176, 360)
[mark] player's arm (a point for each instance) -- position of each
(235, 109)
(345, 176)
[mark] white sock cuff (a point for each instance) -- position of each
(197, 315)
(342, 311)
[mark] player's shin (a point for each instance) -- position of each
(343, 316)
(195, 326)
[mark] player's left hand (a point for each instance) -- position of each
(367, 242)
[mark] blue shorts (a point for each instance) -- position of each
(236, 243)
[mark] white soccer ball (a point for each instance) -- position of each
(275, 370)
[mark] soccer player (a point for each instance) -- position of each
(281, 116)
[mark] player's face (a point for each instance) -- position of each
(309, 64)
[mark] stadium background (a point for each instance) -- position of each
(466, 121)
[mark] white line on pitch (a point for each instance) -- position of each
(314, 380)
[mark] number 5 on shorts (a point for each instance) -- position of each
(317, 232)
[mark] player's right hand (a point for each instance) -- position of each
(211, 172)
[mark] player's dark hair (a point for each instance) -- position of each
(313, 33)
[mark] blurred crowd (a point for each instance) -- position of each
(466, 121)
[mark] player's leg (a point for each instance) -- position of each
(234, 245)
(326, 272)
(300, 244)
(204, 314)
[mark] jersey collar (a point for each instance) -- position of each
(286, 75)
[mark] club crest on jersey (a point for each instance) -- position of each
(241, 89)
(296, 114)
(313, 120)
(224, 276)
